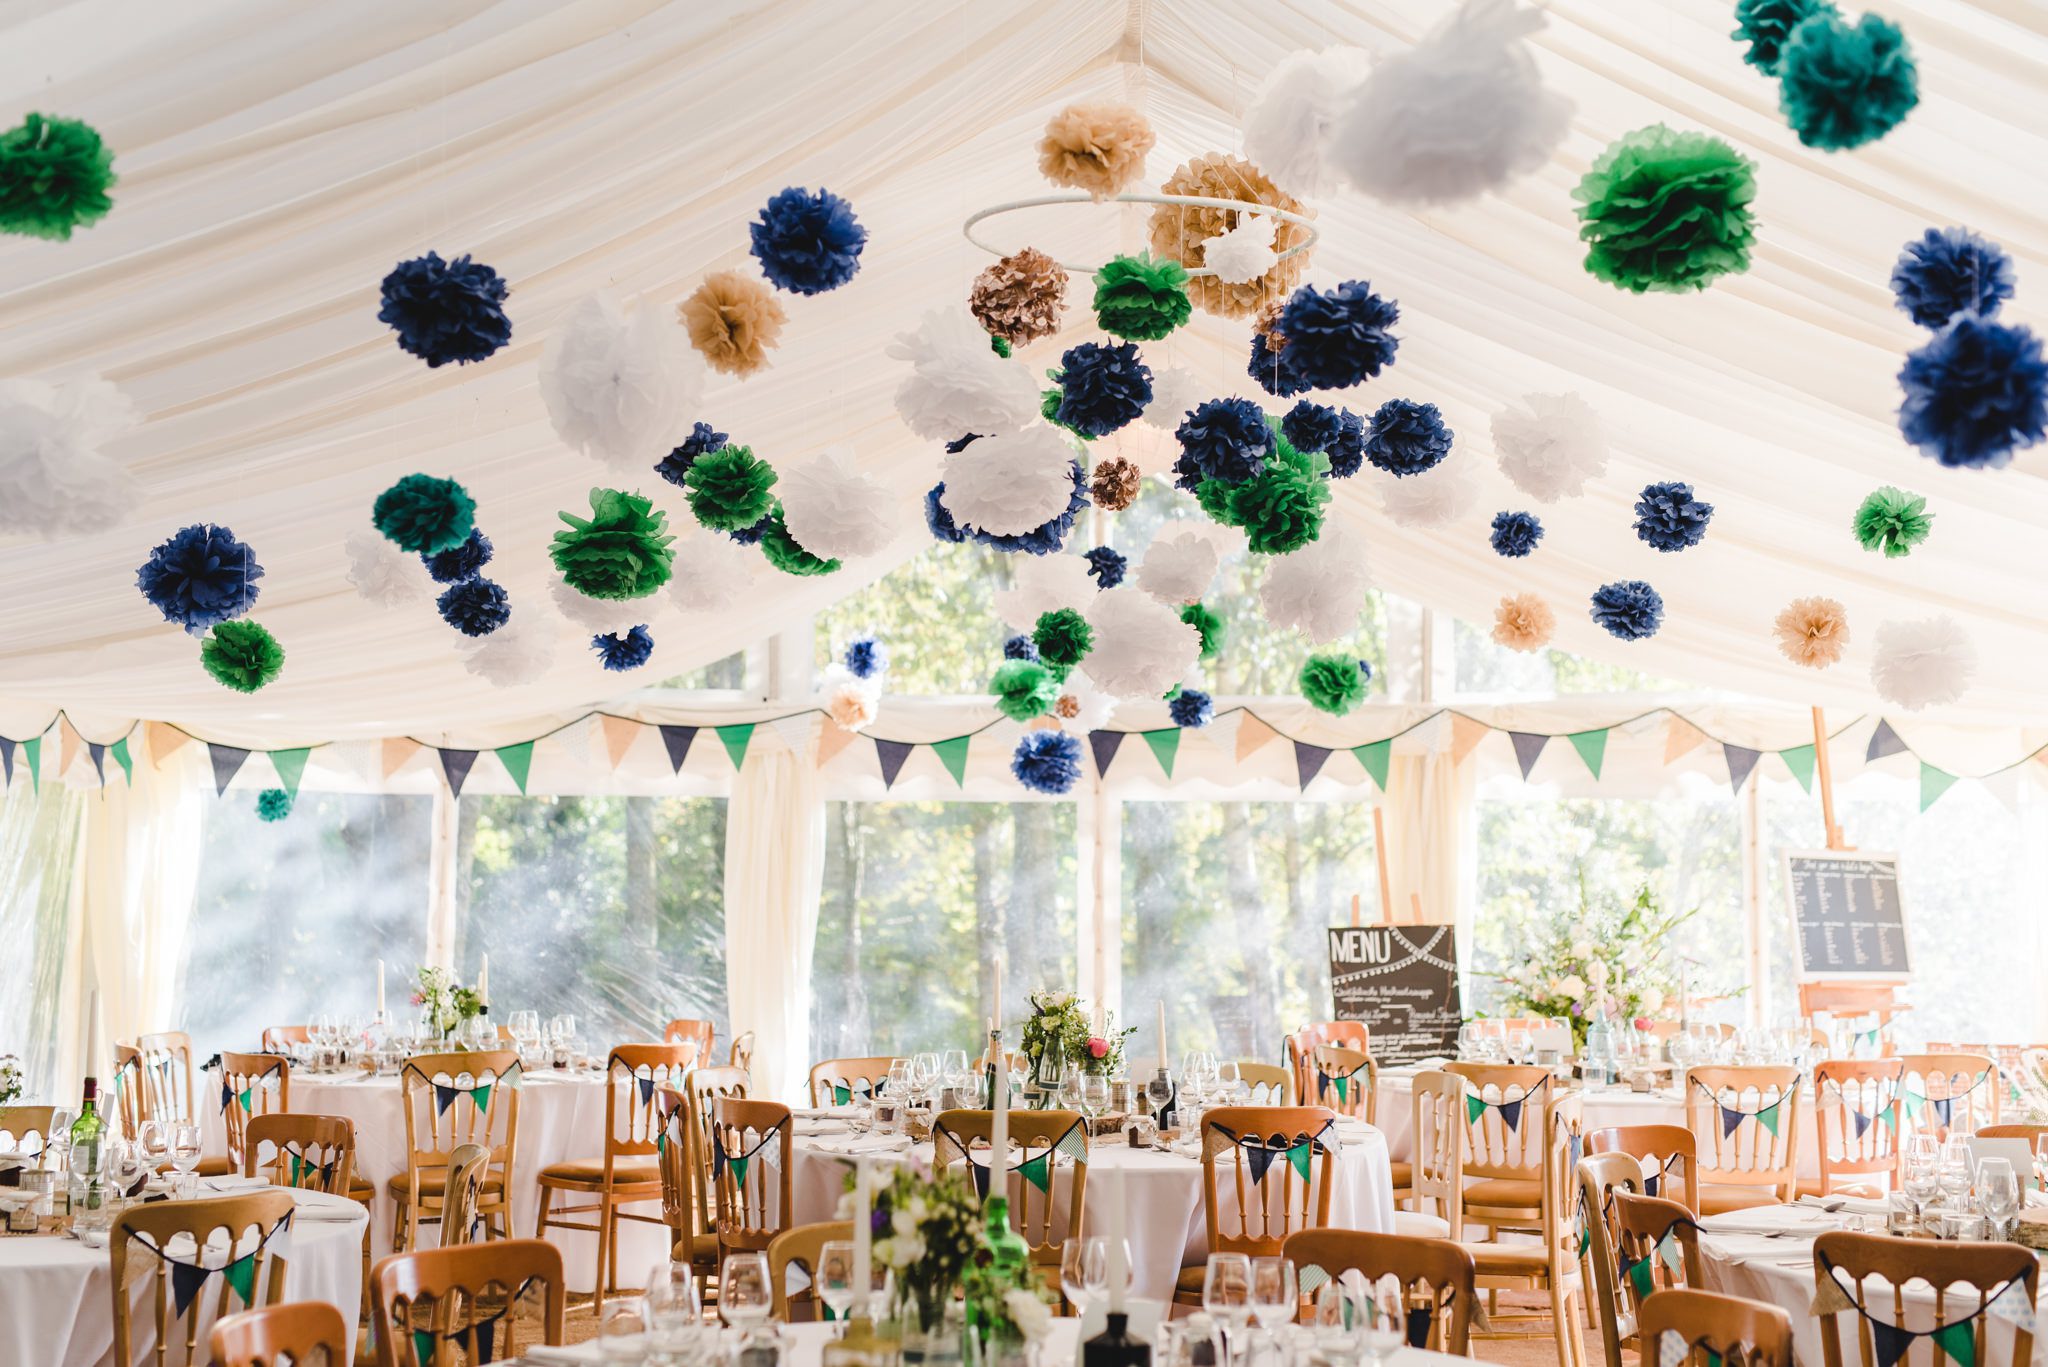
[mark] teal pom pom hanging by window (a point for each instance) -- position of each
(54, 178)
(273, 804)
(1141, 299)
(425, 514)
(1667, 210)
(729, 489)
(1766, 24)
(241, 655)
(1842, 85)
(620, 551)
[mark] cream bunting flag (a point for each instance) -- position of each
(619, 735)
(1681, 738)
(163, 740)
(832, 738)
(397, 750)
(1465, 736)
(68, 741)
(797, 731)
(1252, 734)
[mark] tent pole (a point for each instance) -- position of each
(1827, 782)
(1379, 850)
(441, 926)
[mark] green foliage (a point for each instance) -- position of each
(1141, 299)
(1063, 638)
(242, 655)
(620, 551)
(54, 177)
(729, 489)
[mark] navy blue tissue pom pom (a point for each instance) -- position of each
(702, 441)
(1102, 387)
(1107, 565)
(446, 310)
(1312, 426)
(1347, 453)
(1048, 536)
(1406, 438)
(1974, 393)
(621, 653)
(751, 536)
(1338, 338)
(807, 243)
(454, 566)
(1670, 518)
(1047, 761)
(1020, 648)
(959, 444)
(1947, 271)
(201, 577)
(475, 607)
(1191, 707)
(939, 518)
(866, 657)
(1516, 534)
(1224, 439)
(1629, 609)
(1275, 370)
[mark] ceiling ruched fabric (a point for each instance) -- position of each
(275, 161)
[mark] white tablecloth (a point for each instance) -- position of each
(561, 1117)
(1162, 1195)
(56, 1298)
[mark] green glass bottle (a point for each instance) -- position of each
(87, 1131)
(1007, 1250)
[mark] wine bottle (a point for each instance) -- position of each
(1115, 1346)
(87, 1131)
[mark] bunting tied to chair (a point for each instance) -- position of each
(1345, 1085)
(302, 1167)
(1313, 1277)
(1637, 1273)
(843, 1095)
(1260, 1151)
(767, 1148)
(188, 1278)
(426, 1344)
(229, 1097)
(1863, 1120)
(479, 1093)
(1034, 1168)
(1957, 1338)
(1770, 1117)
(1672, 1350)
(1918, 1103)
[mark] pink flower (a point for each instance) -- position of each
(418, 1000)
(1098, 1047)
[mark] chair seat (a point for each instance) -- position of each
(1416, 1225)
(589, 1172)
(1191, 1280)
(1404, 1176)
(218, 1165)
(361, 1189)
(1507, 1260)
(1719, 1198)
(434, 1183)
(1505, 1193)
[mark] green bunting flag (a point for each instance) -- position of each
(247, 1096)
(953, 754)
(735, 739)
(423, 1347)
(1799, 759)
(1375, 758)
(1933, 783)
(1959, 1341)
(739, 1169)
(481, 1095)
(1768, 1116)
(33, 749)
(1299, 1156)
(119, 750)
(1165, 745)
(1592, 747)
(290, 766)
(1038, 1171)
(242, 1276)
(518, 762)
(1639, 1278)
(1474, 1108)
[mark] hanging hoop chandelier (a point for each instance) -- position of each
(1251, 207)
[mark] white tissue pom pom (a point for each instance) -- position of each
(1549, 445)
(1044, 583)
(1142, 647)
(1082, 706)
(1176, 391)
(1462, 112)
(53, 479)
(1442, 494)
(710, 573)
(1180, 564)
(1244, 253)
(851, 703)
(1320, 589)
(516, 653)
(616, 388)
(833, 510)
(1008, 485)
(1287, 128)
(384, 574)
(959, 385)
(599, 614)
(1923, 663)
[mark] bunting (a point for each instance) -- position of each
(767, 1148)
(890, 756)
(32, 752)
(1592, 748)
(953, 754)
(1259, 1153)
(1800, 760)
(162, 740)
(1510, 1110)
(188, 1277)
(518, 762)
(1343, 1084)
(1251, 735)
(119, 750)
(619, 735)
(832, 739)
(1164, 744)
(290, 766)
(735, 738)
(1957, 1338)
(1883, 741)
(1741, 760)
(1308, 762)
(396, 753)
(677, 739)
(227, 762)
(98, 752)
(1466, 733)
(1037, 1169)
(1681, 738)
(455, 766)
(1528, 749)
(1374, 759)
(1105, 744)
(1933, 783)
(1732, 1117)
(6, 761)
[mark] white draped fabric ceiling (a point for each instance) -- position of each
(275, 161)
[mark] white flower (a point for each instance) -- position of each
(885, 1252)
(1582, 949)
(903, 1223)
(909, 1249)
(1572, 986)
(1033, 1319)
(917, 1209)
(1596, 973)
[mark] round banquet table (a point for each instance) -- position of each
(561, 1117)
(1163, 1216)
(56, 1306)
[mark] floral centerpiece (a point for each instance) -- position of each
(444, 1003)
(926, 1231)
(1595, 961)
(1058, 1033)
(10, 1079)
(1006, 1307)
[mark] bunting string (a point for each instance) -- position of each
(768, 1148)
(1259, 1152)
(1957, 1337)
(188, 1277)
(479, 1093)
(1035, 1168)
(1770, 1117)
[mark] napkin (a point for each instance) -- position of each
(564, 1357)
(1851, 1205)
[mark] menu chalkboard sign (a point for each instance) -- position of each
(1847, 915)
(1402, 981)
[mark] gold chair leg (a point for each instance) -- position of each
(604, 1248)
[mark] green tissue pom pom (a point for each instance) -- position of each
(785, 554)
(1214, 496)
(999, 345)
(273, 804)
(54, 177)
(1063, 637)
(241, 655)
(1209, 623)
(1893, 521)
(728, 488)
(1842, 85)
(620, 551)
(1024, 689)
(1665, 210)
(1766, 24)
(1333, 683)
(1140, 299)
(424, 514)
(1049, 409)
(1281, 507)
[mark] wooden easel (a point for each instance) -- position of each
(1843, 998)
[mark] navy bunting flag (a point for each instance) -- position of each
(1105, 745)
(456, 764)
(677, 739)
(890, 755)
(227, 762)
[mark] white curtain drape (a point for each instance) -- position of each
(137, 876)
(774, 872)
(1427, 799)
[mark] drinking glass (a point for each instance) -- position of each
(185, 1150)
(956, 1070)
(1920, 1170)
(1230, 1081)
(925, 1072)
(1160, 1091)
(1274, 1297)
(1956, 1173)
(745, 1298)
(153, 1140)
(1227, 1295)
(1094, 1096)
(901, 1076)
(674, 1312)
(1068, 1088)
(835, 1277)
(1998, 1194)
(622, 1333)
(1084, 1269)
(1519, 1046)
(1337, 1324)
(1386, 1321)
(1191, 1074)
(127, 1166)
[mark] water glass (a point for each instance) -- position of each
(1920, 1169)
(1160, 1091)
(1998, 1195)
(1274, 1295)
(674, 1312)
(153, 1139)
(834, 1278)
(745, 1295)
(1084, 1269)
(1386, 1321)
(622, 1333)
(1094, 1096)
(957, 1071)
(1227, 1295)
(185, 1151)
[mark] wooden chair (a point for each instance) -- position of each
(627, 1172)
(450, 1100)
(1645, 1223)
(1251, 1148)
(1856, 1125)
(1985, 1268)
(1042, 1220)
(2007, 1130)
(251, 1085)
(1724, 1330)
(20, 1124)
(1944, 1094)
(279, 1039)
(247, 1219)
(702, 1087)
(1551, 1264)
(465, 1294)
(165, 1088)
(1747, 1164)
(750, 1139)
(1345, 1080)
(313, 1152)
(1503, 1162)
(122, 1099)
(1667, 1154)
(742, 1053)
(1297, 1049)
(468, 1168)
(1602, 1177)
(1436, 1275)
(1268, 1083)
(298, 1333)
(693, 1238)
(799, 1246)
(685, 1030)
(836, 1081)
(1437, 1172)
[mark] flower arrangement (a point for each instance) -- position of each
(10, 1079)
(926, 1231)
(1006, 1303)
(1595, 961)
(1058, 1033)
(443, 1002)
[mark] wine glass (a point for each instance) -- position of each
(955, 1070)
(835, 1278)
(1998, 1194)
(1227, 1295)
(745, 1298)
(901, 1075)
(1386, 1321)
(1094, 1097)
(1956, 1173)
(925, 1071)
(127, 1166)
(1070, 1086)
(1275, 1297)
(1337, 1323)
(1920, 1170)
(153, 1140)
(185, 1151)
(1160, 1091)
(673, 1308)
(1084, 1269)
(622, 1332)
(1519, 1046)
